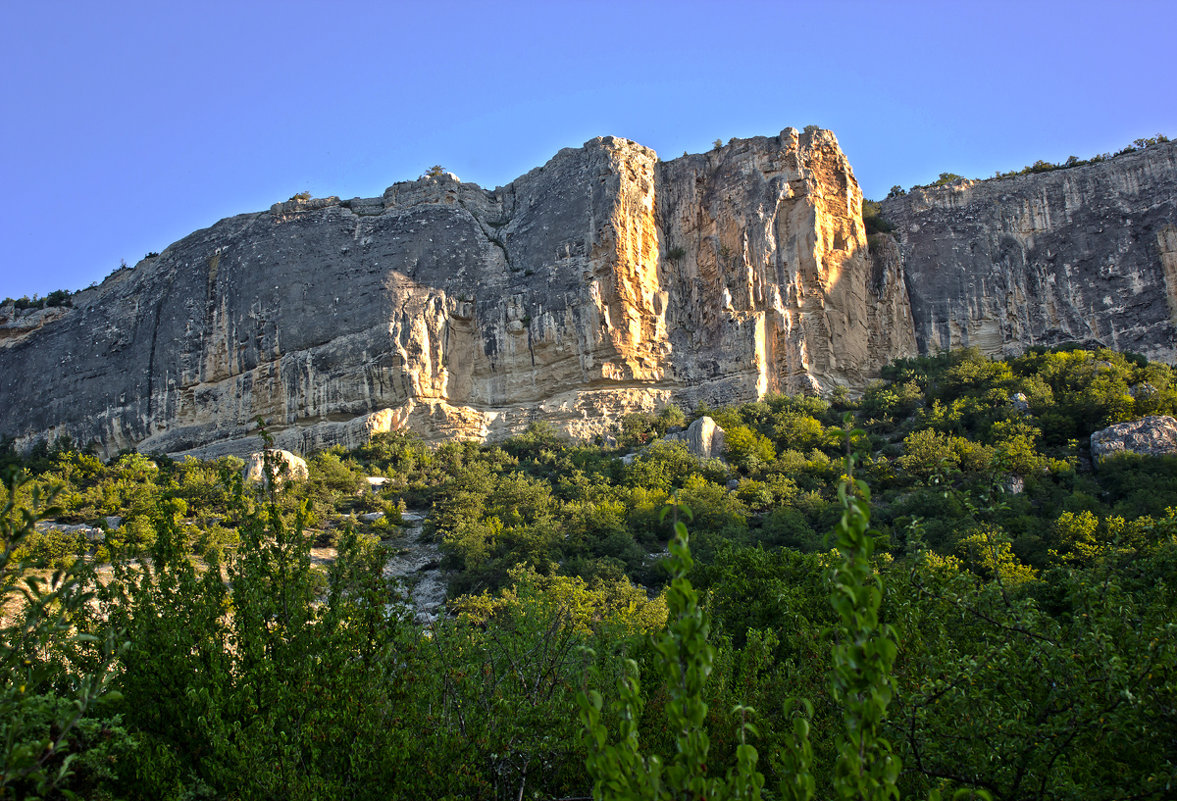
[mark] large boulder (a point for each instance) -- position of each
(286, 467)
(704, 438)
(92, 533)
(1155, 435)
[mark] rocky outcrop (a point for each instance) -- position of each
(1087, 254)
(91, 533)
(416, 561)
(1155, 435)
(604, 282)
(283, 466)
(703, 437)
(776, 291)
(15, 324)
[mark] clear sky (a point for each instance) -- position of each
(124, 126)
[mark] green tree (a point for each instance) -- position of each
(620, 770)
(291, 693)
(747, 449)
(864, 648)
(863, 656)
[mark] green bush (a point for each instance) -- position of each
(56, 733)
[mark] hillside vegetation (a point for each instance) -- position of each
(198, 652)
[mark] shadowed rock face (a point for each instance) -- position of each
(601, 283)
(1082, 254)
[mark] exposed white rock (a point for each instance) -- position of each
(1155, 435)
(417, 561)
(603, 283)
(704, 438)
(91, 533)
(284, 464)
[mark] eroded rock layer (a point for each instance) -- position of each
(601, 283)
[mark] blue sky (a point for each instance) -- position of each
(126, 125)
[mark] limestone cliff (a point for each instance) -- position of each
(1082, 254)
(601, 283)
(604, 282)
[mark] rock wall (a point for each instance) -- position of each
(1082, 254)
(604, 282)
(601, 283)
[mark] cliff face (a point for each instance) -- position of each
(601, 283)
(775, 290)
(1088, 253)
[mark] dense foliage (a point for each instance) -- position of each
(58, 297)
(197, 650)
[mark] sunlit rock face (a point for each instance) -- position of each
(771, 285)
(602, 283)
(1083, 254)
